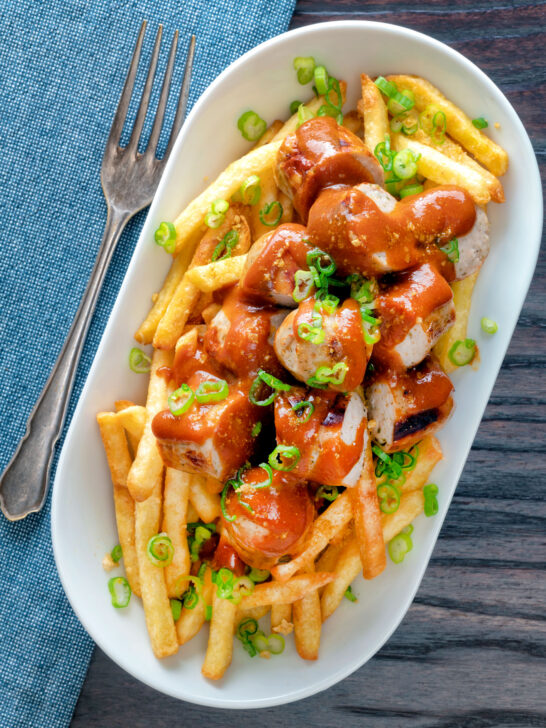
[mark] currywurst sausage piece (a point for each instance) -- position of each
(321, 154)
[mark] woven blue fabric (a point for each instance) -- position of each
(62, 66)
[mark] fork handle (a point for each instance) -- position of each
(24, 482)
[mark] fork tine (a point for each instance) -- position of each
(125, 98)
(183, 98)
(147, 92)
(165, 89)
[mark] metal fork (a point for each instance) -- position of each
(129, 180)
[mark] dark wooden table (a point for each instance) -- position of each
(470, 652)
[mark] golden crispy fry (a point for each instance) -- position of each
(147, 468)
(157, 608)
(133, 419)
(456, 152)
(146, 330)
(367, 519)
(205, 503)
(307, 624)
(210, 311)
(411, 505)
(216, 275)
(119, 462)
(220, 645)
(191, 220)
(269, 133)
(186, 296)
(313, 106)
(462, 298)
(193, 516)
(459, 125)
(203, 302)
(191, 620)
(325, 528)
(274, 592)
(444, 170)
(374, 113)
(353, 122)
(328, 558)
(280, 613)
(175, 513)
(213, 485)
(347, 568)
(255, 613)
(430, 453)
(121, 404)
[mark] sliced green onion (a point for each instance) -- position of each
(283, 453)
(321, 80)
(220, 207)
(407, 122)
(139, 362)
(251, 126)
(176, 608)
(275, 644)
(314, 382)
(431, 502)
(267, 482)
(260, 641)
(408, 529)
(399, 546)
(212, 391)
(410, 190)
(191, 598)
(322, 262)
(396, 123)
(480, 123)
(251, 190)
(350, 595)
(361, 288)
(258, 575)
(387, 87)
(165, 236)
(384, 154)
(326, 301)
(488, 325)
(439, 125)
(192, 593)
(208, 613)
(224, 581)
(304, 114)
(181, 400)
(386, 464)
(214, 221)
(120, 591)
(225, 246)
(389, 498)
(242, 587)
(272, 381)
(313, 334)
(273, 209)
(303, 285)
(294, 106)
(452, 250)
(304, 66)
(404, 164)
(116, 553)
(229, 484)
(333, 375)
(256, 429)
(328, 492)
(307, 408)
(196, 541)
(462, 352)
(401, 101)
(160, 550)
(246, 629)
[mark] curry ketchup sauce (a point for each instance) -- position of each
(275, 521)
(349, 225)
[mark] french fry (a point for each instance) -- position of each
(133, 420)
(430, 453)
(269, 133)
(193, 516)
(119, 462)
(457, 153)
(121, 404)
(353, 122)
(444, 170)
(175, 513)
(191, 220)
(280, 613)
(324, 529)
(462, 298)
(146, 331)
(374, 113)
(367, 518)
(186, 296)
(213, 276)
(313, 106)
(210, 311)
(191, 620)
(347, 568)
(155, 599)
(213, 485)
(411, 505)
(349, 563)
(205, 503)
(458, 124)
(220, 644)
(307, 624)
(254, 613)
(147, 468)
(274, 592)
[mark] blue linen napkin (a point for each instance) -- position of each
(62, 66)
